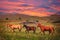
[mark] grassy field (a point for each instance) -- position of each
(7, 34)
(23, 36)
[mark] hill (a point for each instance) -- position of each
(17, 17)
(53, 18)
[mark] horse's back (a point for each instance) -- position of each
(31, 27)
(15, 26)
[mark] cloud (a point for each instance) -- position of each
(13, 6)
(33, 7)
(58, 12)
(55, 2)
(13, 0)
(26, 5)
(3, 9)
(3, 0)
(36, 13)
(43, 6)
(57, 8)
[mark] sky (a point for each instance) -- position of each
(30, 7)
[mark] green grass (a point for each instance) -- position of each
(23, 36)
(7, 34)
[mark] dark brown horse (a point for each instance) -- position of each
(30, 28)
(46, 28)
(13, 27)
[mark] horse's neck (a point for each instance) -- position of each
(40, 25)
(9, 25)
(25, 26)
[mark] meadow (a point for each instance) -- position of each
(7, 34)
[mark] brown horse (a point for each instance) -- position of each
(30, 28)
(13, 27)
(46, 28)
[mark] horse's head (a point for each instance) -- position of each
(8, 25)
(38, 25)
(24, 25)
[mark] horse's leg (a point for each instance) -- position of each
(27, 31)
(34, 30)
(41, 32)
(13, 30)
(19, 29)
(50, 32)
(44, 32)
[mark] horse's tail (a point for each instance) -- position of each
(53, 29)
(35, 28)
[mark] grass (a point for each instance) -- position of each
(23, 36)
(7, 34)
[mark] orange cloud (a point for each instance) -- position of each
(34, 13)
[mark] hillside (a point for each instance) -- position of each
(20, 17)
(53, 18)
(17, 17)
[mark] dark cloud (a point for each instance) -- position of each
(48, 8)
(55, 2)
(18, 9)
(51, 10)
(3, 0)
(25, 5)
(3, 9)
(43, 6)
(2, 13)
(13, 0)
(58, 12)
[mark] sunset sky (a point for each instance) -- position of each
(30, 7)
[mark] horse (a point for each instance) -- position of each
(50, 29)
(29, 28)
(13, 27)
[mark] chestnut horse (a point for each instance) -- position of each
(30, 28)
(13, 27)
(46, 28)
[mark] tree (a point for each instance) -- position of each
(37, 21)
(27, 20)
(6, 18)
(19, 18)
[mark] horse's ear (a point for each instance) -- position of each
(37, 21)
